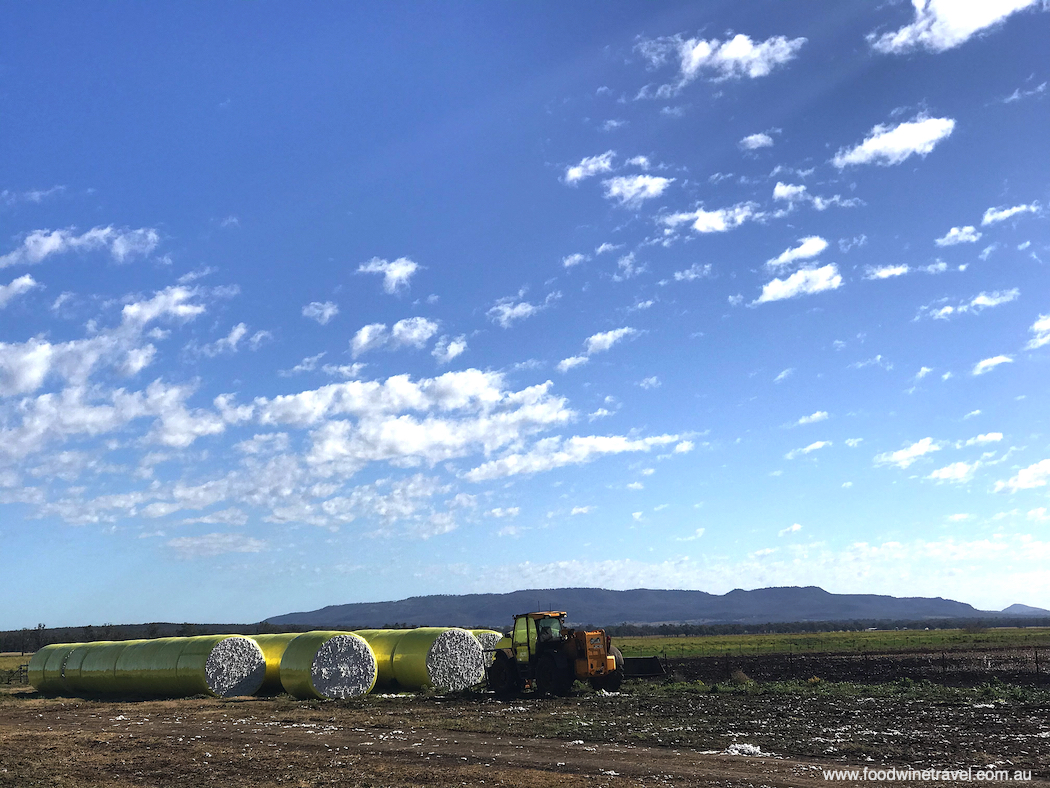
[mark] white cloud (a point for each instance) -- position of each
(713, 221)
(599, 343)
(571, 362)
(1036, 475)
(697, 534)
(684, 447)
(19, 286)
(735, 58)
(980, 440)
(693, 272)
(808, 248)
(123, 245)
(650, 383)
(886, 271)
(227, 344)
(806, 449)
(959, 235)
(557, 452)
(903, 458)
(789, 192)
(784, 375)
(887, 145)
(396, 273)
(321, 312)
(640, 161)
(210, 545)
(446, 348)
(791, 529)
(509, 310)
(813, 418)
(632, 190)
(805, 282)
(231, 516)
(626, 268)
(941, 311)
(940, 25)
(582, 510)
(854, 442)
(1041, 329)
(411, 332)
(756, 141)
(589, 166)
(993, 215)
(988, 364)
(956, 473)
(500, 512)
(923, 372)
(574, 259)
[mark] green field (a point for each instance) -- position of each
(834, 642)
(10, 661)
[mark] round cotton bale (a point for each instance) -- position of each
(488, 639)
(443, 658)
(229, 665)
(273, 648)
(97, 672)
(321, 665)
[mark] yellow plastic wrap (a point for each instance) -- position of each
(163, 667)
(384, 643)
(46, 667)
(273, 648)
(410, 656)
(439, 657)
(327, 664)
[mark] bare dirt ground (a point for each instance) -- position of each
(637, 738)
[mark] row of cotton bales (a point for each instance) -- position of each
(317, 665)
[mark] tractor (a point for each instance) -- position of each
(542, 653)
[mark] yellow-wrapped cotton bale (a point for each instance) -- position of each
(328, 665)
(273, 648)
(445, 658)
(47, 666)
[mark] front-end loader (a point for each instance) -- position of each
(544, 654)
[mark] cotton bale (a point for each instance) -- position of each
(327, 664)
(273, 648)
(383, 643)
(47, 665)
(442, 658)
(489, 640)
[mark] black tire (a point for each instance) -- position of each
(611, 682)
(503, 676)
(553, 675)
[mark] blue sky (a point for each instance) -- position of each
(304, 305)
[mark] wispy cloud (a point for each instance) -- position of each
(122, 245)
(988, 364)
(589, 167)
(888, 145)
(805, 282)
(411, 332)
(813, 418)
(597, 343)
(448, 348)
(904, 458)
(210, 545)
(508, 311)
(551, 453)
(756, 141)
(956, 473)
(939, 310)
(632, 190)
(886, 271)
(713, 221)
(396, 273)
(940, 25)
(321, 312)
(993, 215)
(1037, 475)
(807, 249)
(1041, 329)
(815, 446)
(19, 286)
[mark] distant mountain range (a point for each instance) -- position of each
(601, 607)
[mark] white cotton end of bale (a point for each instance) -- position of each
(344, 667)
(488, 642)
(235, 666)
(455, 661)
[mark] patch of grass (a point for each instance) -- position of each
(835, 642)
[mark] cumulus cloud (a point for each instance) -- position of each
(886, 271)
(806, 449)
(940, 310)
(447, 348)
(736, 58)
(411, 332)
(396, 273)
(589, 166)
(227, 344)
(791, 529)
(123, 245)
(597, 343)
(959, 235)
(507, 311)
(993, 215)
(904, 458)
(693, 272)
(956, 473)
(1041, 329)
(574, 259)
(718, 221)
(756, 141)
(940, 25)
(888, 145)
(571, 362)
(807, 248)
(556, 452)
(1036, 475)
(321, 312)
(805, 282)
(19, 286)
(988, 364)
(789, 192)
(632, 190)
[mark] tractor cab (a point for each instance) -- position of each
(532, 631)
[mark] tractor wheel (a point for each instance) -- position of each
(503, 676)
(611, 682)
(553, 676)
